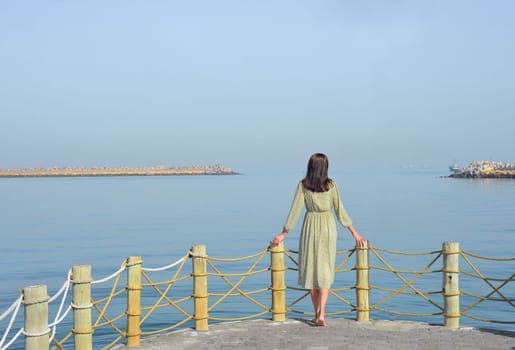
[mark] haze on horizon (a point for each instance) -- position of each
(256, 84)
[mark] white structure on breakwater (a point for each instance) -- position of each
(484, 168)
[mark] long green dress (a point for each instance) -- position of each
(317, 245)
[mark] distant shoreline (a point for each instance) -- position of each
(118, 171)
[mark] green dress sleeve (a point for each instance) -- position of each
(296, 209)
(339, 209)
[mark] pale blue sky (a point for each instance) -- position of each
(254, 84)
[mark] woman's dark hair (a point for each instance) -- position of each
(316, 179)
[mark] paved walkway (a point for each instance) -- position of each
(338, 334)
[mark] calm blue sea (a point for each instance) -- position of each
(50, 224)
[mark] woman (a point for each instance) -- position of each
(317, 246)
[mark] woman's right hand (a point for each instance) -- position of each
(360, 240)
(278, 239)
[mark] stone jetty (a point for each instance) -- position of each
(217, 169)
(338, 334)
(484, 169)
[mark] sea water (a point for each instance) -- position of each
(49, 225)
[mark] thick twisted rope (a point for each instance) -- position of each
(260, 253)
(172, 265)
(176, 325)
(58, 319)
(484, 278)
(481, 297)
(463, 252)
(14, 308)
(405, 253)
(11, 308)
(115, 274)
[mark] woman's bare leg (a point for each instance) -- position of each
(315, 299)
(323, 294)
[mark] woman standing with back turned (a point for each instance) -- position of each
(317, 246)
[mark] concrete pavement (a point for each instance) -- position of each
(339, 333)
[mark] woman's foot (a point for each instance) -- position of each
(314, 320)
(321, 323)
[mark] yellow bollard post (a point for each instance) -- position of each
(81, 303)
(278, 282)
(451, 284)
(200, 295)
(362, 283)
(36, 328)
(133, 300)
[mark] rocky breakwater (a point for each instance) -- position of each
(217, 169)
(484, 169)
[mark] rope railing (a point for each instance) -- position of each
(466, 253)
(14, 308)
(408, 286)
(87, 306)
(112, 276)
(164, 300)
(125, 309)
(48, 330)
(234, 287)
(493, 285)
(339, 267)
(398, 252)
